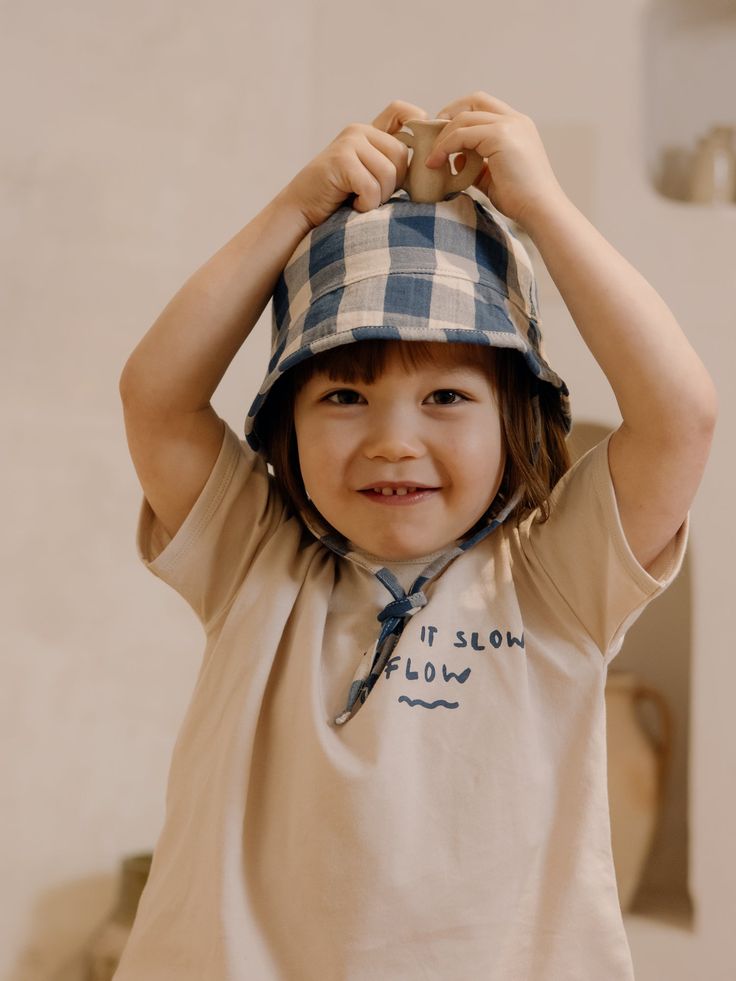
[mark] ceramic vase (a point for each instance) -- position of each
(713, 179)
(638, 767)
(104, 951)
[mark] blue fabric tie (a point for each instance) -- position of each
(403, 607)
(393, 617)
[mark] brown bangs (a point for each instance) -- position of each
(364, 361)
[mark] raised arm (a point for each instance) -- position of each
(174, 435)
(667, 398)
(180, 361)
(166, 385)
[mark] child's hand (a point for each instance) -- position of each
(517, 176)
(364, 160)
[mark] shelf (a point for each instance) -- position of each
(690, 78)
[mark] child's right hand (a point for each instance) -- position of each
(364, 160)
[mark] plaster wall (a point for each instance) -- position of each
(139, 139)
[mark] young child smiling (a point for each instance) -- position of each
(405, 431)
(394, 762)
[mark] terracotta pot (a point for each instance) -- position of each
(638, 768)
(713, 178)
(106, 947)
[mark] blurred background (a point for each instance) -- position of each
(139, 138)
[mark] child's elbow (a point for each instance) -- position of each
(709, 406)
(691, 419)
(702, 408)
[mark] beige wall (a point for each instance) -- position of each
(137, 139)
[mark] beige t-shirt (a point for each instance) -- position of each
(457, 826)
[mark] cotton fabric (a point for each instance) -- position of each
(458, 826)
(448, 272)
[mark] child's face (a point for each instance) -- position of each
(438, 427)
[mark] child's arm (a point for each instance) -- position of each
(174, 434)
(666, 396)
(180, 361)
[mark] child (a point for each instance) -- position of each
(394, 762)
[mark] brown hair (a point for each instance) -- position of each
(511, 380)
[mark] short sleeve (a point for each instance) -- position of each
(586, 559)
(237, 510)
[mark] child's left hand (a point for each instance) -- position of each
(517, 176)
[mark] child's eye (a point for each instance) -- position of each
(348, 396)
(456, 396)
(341, 391)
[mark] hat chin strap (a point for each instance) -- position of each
(399, 610)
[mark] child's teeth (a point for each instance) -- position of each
(402, 491)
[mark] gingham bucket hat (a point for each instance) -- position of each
(451, 271)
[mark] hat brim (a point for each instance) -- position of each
(342, 317)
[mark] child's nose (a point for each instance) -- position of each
(392, 439)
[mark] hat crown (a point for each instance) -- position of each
(458, 238)
(449, 271)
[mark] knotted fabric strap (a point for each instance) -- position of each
(405, 607)
(396, 614)
(394, 617)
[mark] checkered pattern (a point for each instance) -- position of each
(450, 271)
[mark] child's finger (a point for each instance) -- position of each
(396, 114)
(382, 170)
(396, 151)
(464, 133)
(476, 100)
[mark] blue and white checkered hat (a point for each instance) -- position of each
(446, 271)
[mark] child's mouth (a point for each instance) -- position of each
(402, 495)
